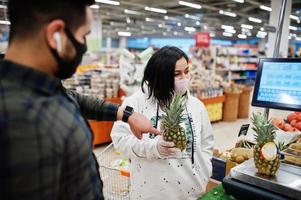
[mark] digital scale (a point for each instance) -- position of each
(278, 85)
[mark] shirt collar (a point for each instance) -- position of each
(28, 76)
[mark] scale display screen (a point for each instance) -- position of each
(278, 84)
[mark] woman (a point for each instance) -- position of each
(158, 169)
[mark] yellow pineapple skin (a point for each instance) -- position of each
(264, 167)
(178, 137)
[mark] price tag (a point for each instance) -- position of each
(243, 130)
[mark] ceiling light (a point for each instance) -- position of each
(157, 10)
(256, 20)
(294, 28)
(5, 22)
(242, 36)
(230, 31)
(295, 18)
(198, 23)
(188, 4)
(192, 17)
(227, 27)
(260, 36)
(132, 12)
(262, 29)
(166, 17)
(95, 6)
(190, 29)
(239, 1)
(179, 24)
(262, 33)
(3, 6)
(227, 34)
(245, 30)
(205, 27)
(247, 26)
(231, 14)
(263, 7)
(160, 25)
(149, 19)
(128, 20)
(293, 34)
(125, 34)
(111, 2)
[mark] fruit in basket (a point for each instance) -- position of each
(292, 116)
(266, 157)
(298, 126)
(240, 154)
(293, 123)
(296, 146)
(279, 123)
(289, 128)
(172, 118)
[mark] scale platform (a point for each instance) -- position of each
(286, 182)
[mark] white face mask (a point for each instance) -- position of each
(181, 85)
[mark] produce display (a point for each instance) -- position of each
(95, 81)
(291, 124)
(239, 155)
(215, 111)
(292, 154)
(171, 128)
(266, 158)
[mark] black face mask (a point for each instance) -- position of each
(67, 68)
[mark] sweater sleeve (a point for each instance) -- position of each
(207, 140)
(94, 108)
(125, 142)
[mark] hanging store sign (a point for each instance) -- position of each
(202, 39)
(271, 29)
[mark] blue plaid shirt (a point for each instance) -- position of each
(45, 143)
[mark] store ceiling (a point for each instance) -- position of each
(208, 18)
(180, 20)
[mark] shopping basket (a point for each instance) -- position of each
(116, 179)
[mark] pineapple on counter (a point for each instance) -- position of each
(171, 128)
(266, 158)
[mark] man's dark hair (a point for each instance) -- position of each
(28, 16)
(159, 73)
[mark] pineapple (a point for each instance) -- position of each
(170, 126)
(266, 158)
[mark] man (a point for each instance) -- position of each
(45, 141)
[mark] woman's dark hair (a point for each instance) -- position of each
(159, 73)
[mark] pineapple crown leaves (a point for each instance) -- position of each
(281, 146)
(264, 129)
(174, 113)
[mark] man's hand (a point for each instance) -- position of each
(139, 124)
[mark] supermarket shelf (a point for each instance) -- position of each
(238, 55)
(236, 70)
(213, 100)
(239, 78)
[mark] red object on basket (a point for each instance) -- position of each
(202, 39)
